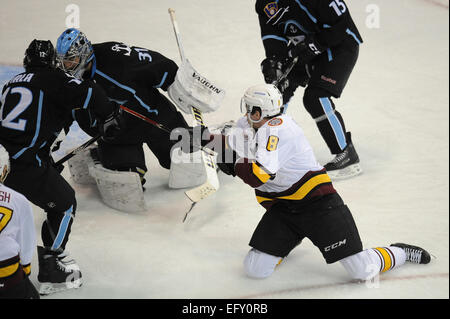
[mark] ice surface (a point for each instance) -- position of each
(396, 106)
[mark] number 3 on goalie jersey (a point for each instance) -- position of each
(272, 143)
(5, 217)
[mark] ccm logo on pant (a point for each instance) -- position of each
(336, 245)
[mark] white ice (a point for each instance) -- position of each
(396, 106)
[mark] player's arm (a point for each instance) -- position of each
(253, 170)
(157, 72)
(274, 42)
(258, 171)
(335, 25)
(89, 105)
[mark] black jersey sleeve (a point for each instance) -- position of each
(274, 42)
(87, 103)
(159, 72)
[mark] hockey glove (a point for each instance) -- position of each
(112, 126)
(273, 69)
(191, 139)
(306, 50)
(59, 167)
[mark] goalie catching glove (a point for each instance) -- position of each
(190, 89)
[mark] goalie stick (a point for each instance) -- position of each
(212, 182)
(76, 150)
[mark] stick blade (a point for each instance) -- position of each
(201, 192)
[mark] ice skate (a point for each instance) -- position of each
(345, 164)
(414, 254)
(57, 272)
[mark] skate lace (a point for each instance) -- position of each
(61, 266)
(339, 157)
(413, 255)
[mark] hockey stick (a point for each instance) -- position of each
(160, 126)
(286, 72)
(74, 152)
(212, 182)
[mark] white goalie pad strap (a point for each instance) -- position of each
(190, 89)
(79, 167)
(119, 190)
(186, 170)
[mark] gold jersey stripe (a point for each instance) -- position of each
(386, 257)
(260, 173)
(303, 190)
(27, 269)
(8, 270)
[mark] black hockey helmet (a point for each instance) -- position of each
(40, 53)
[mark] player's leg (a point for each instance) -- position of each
(334, 232)
(119, 170)
(158, 140)
(122, 157)
(328, 79)
(369, 263)
(46, 188)
(272, 240)
(22, 290)
(329, 224)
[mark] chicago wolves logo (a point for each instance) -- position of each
(270, 9)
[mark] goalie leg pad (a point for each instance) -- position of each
(79, 167)
(120, 190)
(186, 170)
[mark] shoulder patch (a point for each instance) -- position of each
(270, 9)
(275, 121)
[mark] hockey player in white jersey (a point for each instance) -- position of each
(269, 152)
(17, 240)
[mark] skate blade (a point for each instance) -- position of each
(347, 172)
(48, 288)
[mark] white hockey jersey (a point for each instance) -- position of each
(278, 161)
(17, 232)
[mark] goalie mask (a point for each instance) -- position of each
(265, 98)
(74, 52)
(4, 164)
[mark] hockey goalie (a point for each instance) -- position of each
(118, 166)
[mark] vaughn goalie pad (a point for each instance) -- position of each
(79, 167)
(119, 190)
(186, 170)
(190, 89)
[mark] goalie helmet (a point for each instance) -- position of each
(265, 98)
(4, 164)
(74, 52)
(40, 53)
